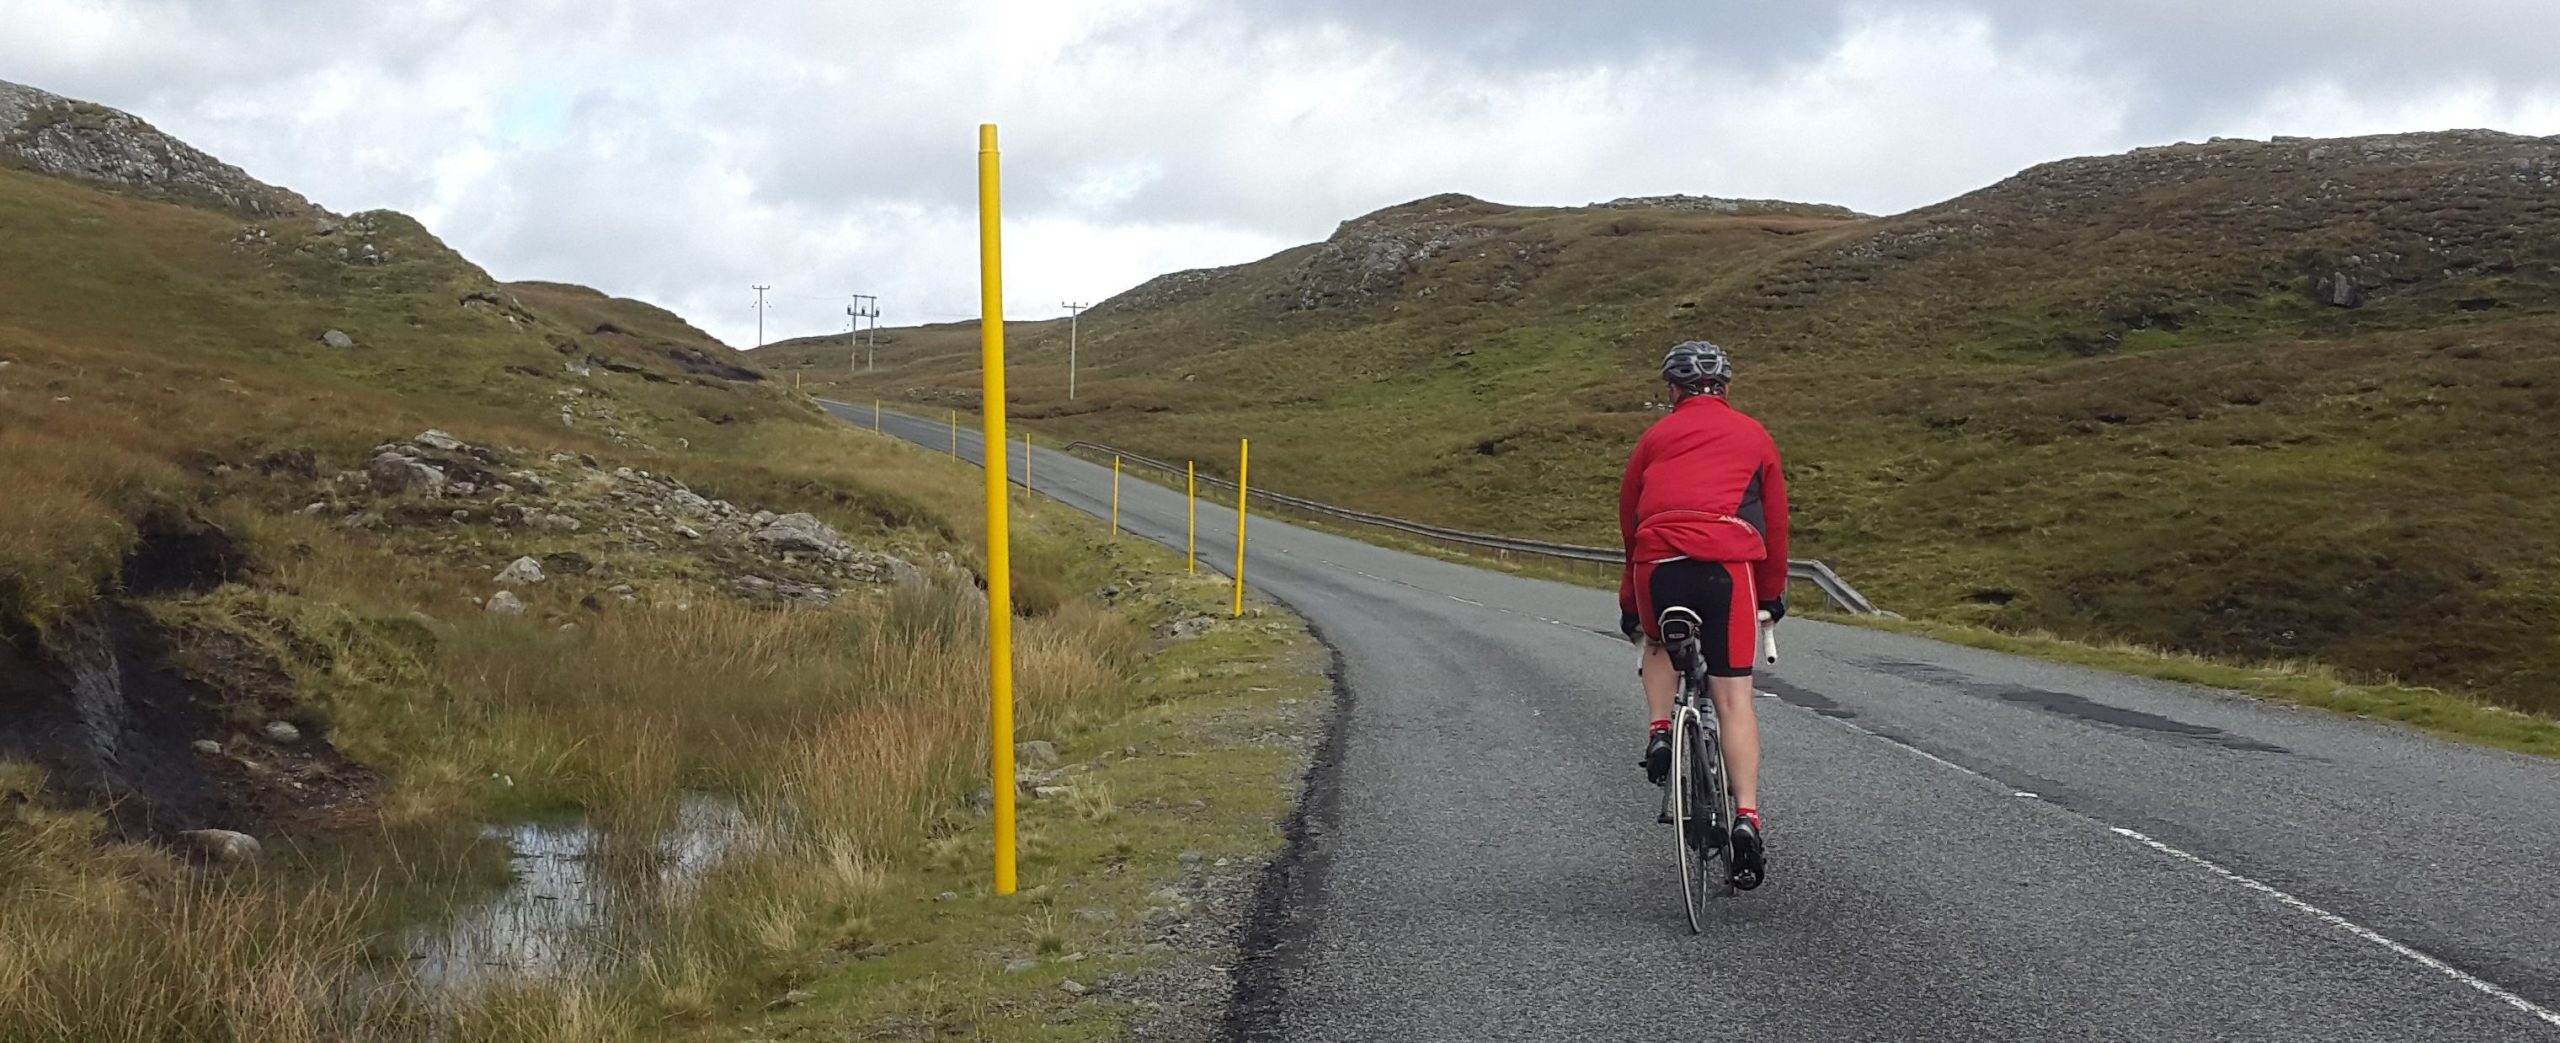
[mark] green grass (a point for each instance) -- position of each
(1202, 785)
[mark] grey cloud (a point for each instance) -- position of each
(2193, 59)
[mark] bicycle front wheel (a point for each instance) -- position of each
(1717, 797)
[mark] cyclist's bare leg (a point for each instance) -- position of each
(1661, 682)
(1740, 731)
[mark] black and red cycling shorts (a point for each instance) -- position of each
(1720, 592)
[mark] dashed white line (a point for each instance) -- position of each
(1463, 601)
(2469, 980)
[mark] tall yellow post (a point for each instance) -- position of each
(875, 416)
(1191, 503)
(1026, 460)
(999, 539)
(1244, 466)
(1115, 497)
(955, 422)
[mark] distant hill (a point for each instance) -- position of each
(2254, 398)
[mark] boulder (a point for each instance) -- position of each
(802, 533)
(1038, 753)
(521, 572)
(1186, 629)
(439, 440)
(283, 732)
(337, 339)
(394, 472)
(504, 603)
(222, 845)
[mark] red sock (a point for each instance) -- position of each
(1662, 726)
(1750, 813)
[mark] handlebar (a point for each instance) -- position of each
(1768, 639)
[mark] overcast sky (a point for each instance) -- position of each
(678, 151)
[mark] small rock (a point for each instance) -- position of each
(462, 489)
(434, 439)
(208, 747)
(222, 845)
(792, 998)
(1039, 753)
(947, 896)
(283, 731)
(530, 480)
(461, 517)
(521, 572)
(1186, 629)
(1050, 792)
(556, 522)
(1073, 987)
(504, 603)
(337, 339)
(686, 531)
(621, 590)
(1096, 915)
(1020, 966)
(1190, 858)
(315, 508)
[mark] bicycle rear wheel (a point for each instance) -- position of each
(1685, 789)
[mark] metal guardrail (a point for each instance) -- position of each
(1837, 590)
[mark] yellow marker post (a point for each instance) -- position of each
(1026, 460)
(1244, 465)
(1115, 497)
(875, 416)
(1191, 501)
(955, 425)
(999, 539)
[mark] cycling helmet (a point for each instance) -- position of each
(1697, 367)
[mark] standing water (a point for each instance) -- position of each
(575, 896)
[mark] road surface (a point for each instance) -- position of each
(1964, 846)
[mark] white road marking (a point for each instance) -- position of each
(2547, 1015)
(1463, 601)
(2474, 982)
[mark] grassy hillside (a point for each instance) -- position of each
(2276, 400)
(245, 588)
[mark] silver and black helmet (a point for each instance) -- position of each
(1697, 367)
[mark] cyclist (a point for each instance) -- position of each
(1703, 511)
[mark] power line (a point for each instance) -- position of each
(760, 313)
(1074, 310)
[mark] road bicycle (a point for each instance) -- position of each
(1698, 799)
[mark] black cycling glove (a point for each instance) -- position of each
(1776, 608)
(1627, 624)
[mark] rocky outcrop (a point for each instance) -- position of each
(760, 556)
(1368, 257)
(82, 141)
(1736, 207)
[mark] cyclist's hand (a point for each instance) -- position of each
(1774, 609)
(1627, 624)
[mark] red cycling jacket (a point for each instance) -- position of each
(1704, 483)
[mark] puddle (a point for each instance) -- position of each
(576, 895)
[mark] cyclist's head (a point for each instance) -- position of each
(1697, 368)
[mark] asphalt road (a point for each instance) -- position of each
(1964, 845)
